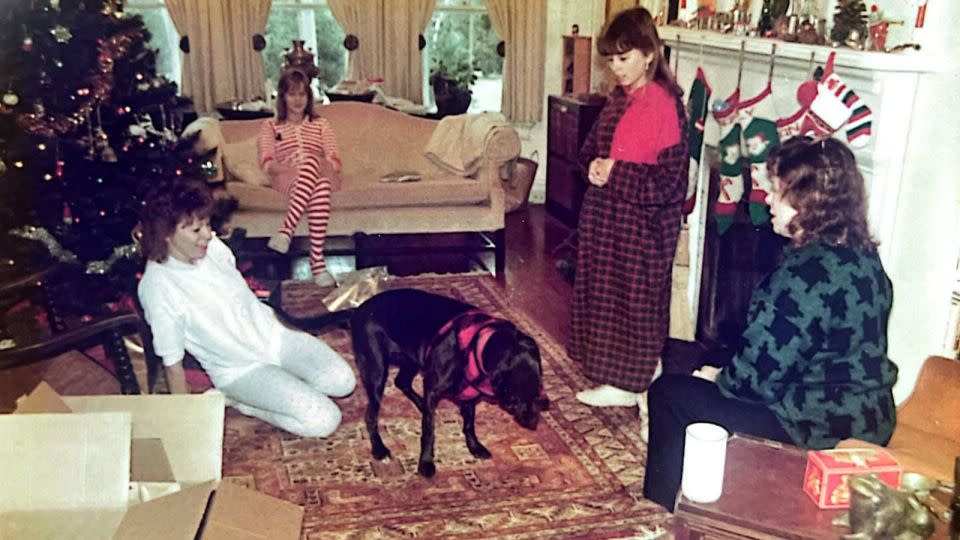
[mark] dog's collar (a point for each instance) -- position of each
(473, 329)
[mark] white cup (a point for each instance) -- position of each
(704, 456)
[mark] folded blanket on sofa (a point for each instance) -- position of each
(457, 143)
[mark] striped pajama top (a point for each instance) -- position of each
(291, 143)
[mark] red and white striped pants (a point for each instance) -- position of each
(310, 192)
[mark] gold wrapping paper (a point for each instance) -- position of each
(356, 287)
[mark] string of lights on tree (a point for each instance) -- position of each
(87, 127)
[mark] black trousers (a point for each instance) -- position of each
(676, 401)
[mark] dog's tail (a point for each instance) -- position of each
(314, 323)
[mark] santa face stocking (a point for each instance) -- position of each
(731, 177)
(696, 117)
(756, 118)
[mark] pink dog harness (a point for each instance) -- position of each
(473, 329)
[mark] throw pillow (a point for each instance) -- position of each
(240, 160)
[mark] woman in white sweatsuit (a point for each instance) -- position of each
(195, 300)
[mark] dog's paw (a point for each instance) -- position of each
(480, 451)
(380, 453)
(427, 470)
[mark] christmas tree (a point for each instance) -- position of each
(850, 15)
(86, 129)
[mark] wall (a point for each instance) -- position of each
(926, 237)
(561, 16)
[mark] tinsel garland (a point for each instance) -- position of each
(42, 235)
(101, 84)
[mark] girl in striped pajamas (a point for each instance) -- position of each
(298, 151)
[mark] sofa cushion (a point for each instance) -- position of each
(433, 190)
(240, 159)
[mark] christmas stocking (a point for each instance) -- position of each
(696, 117)
(859, 118)
(756, 118)
(835, 105)
(731, 177)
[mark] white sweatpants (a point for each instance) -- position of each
(295, 395)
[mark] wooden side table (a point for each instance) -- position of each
(762, 499)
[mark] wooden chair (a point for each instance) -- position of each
(927, 437)
(28, 345)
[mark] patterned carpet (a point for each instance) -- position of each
(578, 476)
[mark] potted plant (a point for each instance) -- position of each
(451, 82)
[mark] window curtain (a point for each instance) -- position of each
(404, 21)
(222, 64)
(247, 18)
(522, 24)
(364, 19)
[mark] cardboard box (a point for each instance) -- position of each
(126, 467)
(825, 479)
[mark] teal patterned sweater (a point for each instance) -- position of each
(815, 347)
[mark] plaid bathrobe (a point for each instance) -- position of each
(628, 238)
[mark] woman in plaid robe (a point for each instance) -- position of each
(637, 165)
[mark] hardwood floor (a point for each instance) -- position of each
(535, 242)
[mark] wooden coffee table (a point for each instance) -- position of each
(762, 498)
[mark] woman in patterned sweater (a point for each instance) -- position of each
(636, 161)
(811, 368)
(298, 151)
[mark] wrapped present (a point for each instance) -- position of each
(825, 479)
(356, 287)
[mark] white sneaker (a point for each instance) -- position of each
(325, 279)
(279, 243)
(608, 396)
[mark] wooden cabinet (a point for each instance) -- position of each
(576, 65)
(568, 122)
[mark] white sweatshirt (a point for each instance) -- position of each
(208, 310)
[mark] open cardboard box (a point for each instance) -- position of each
(126, 467)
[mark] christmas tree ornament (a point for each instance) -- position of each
(10, 99)
(61, 33)
(27, 44)
(209, 168)
(55, 4)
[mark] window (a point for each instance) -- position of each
(461, 31)
(311, 21)
(163, 35)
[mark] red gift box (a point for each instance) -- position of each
(825, 479)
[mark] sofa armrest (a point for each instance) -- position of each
(501, 145)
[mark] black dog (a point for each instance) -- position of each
(436, 336)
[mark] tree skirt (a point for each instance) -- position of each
(579, 475)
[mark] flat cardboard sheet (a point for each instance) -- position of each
(63, 461)
(190, 426)
(70, 475)
(239, 514)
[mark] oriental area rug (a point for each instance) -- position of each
(579, 475)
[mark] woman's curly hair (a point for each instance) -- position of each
(820, 179)
(168, 205)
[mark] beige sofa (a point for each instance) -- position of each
(375, 141)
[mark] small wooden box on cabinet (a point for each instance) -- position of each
(576, 65)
